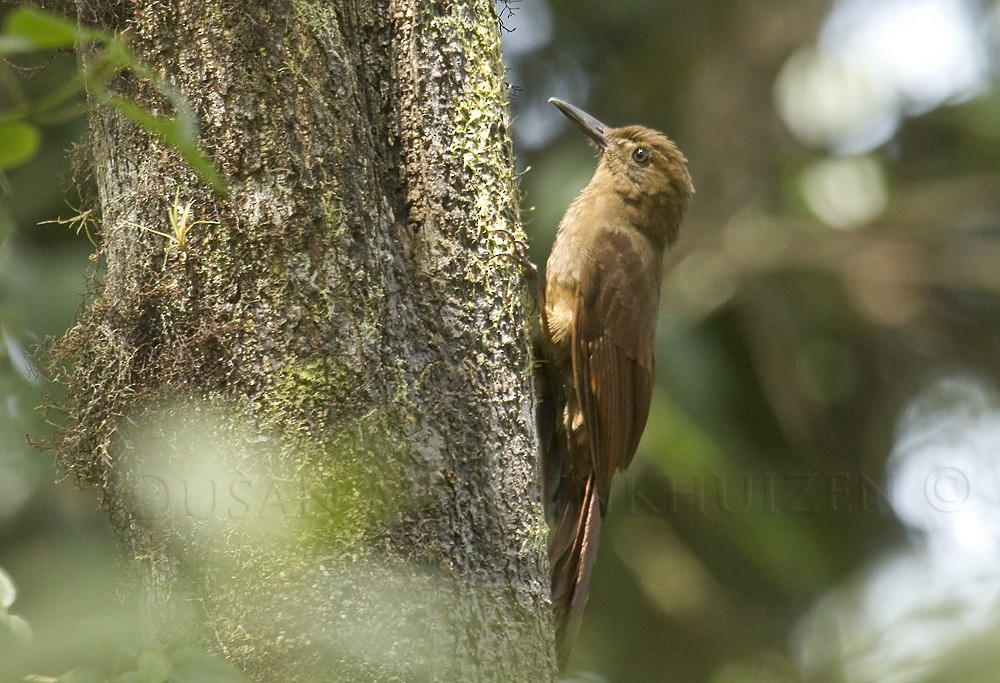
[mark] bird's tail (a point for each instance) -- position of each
(572, 551)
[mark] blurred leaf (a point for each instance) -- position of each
(8, 593)
(18, 143)
(42, 29)
(163, 127)
(14, 631)
(29, 29)
(179, 132)
(117, 55)
(778, 541)
(82, 676)
(153, 667)
(677, 443)
(12, 45)
(195, 666)
(133, 677)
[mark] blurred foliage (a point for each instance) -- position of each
(52, 538)
(28, 31)
(839, 257)
(14, 631)
(838, 270)
(184, 665)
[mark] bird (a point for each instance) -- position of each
(598, 319)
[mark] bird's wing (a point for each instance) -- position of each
(612, 350)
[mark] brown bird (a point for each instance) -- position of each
(602, 291)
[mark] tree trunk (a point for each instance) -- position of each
(312, 417)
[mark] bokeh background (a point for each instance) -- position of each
(55, 544)
(817, 495)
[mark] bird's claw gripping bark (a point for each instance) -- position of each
(518, 252)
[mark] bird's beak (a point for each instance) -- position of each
(591, 126)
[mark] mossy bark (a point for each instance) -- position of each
(312, 421)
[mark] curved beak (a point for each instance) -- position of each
(591, 126)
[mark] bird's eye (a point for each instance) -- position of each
(640, 155)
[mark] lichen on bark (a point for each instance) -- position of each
(313, 427)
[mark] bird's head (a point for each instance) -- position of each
(643, 167)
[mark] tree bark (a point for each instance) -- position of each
(312, 418)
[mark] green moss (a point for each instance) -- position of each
(481, 120)
(300, 394)
(275, 326)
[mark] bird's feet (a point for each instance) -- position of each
(518, 252)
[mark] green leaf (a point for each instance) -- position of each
(7, 591)
(42, 29)
(117, 55)
(204, 167)
(18, 143)
(163, 127)
(180, 133)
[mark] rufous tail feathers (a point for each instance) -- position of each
(572, 551)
